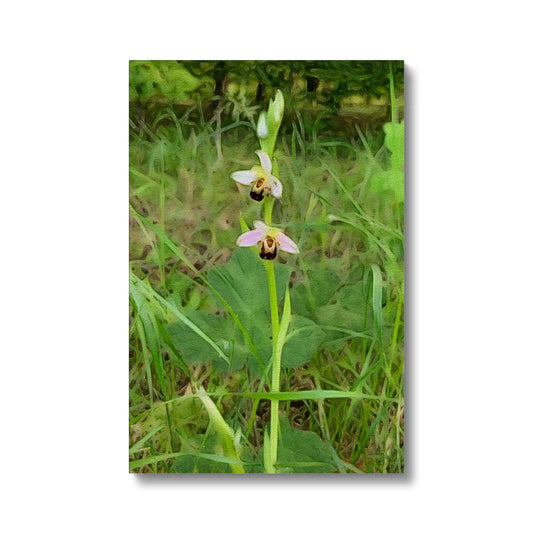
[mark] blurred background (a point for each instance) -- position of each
(335, 95)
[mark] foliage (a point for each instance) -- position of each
(168, 80)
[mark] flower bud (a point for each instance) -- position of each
(262, 129)
(279, 106)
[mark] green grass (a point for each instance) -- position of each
(341, 399)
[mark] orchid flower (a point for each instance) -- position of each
(260, 178)
(268, 240)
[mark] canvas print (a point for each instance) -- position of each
(266, 238)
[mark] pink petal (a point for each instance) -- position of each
(262, 226)
(250, 237)
(246, 177)
(286, 244)
(276, 187)
(265, 161)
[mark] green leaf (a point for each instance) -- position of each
(223, 430)
(389, 181)
(302, 342)
(285, 317)
(337, 321)
(244, 226)
(394, 141)
(303, 452)
(314, 395)
(352, 297)
(392, 180)
(341, 312)
(161, 79)
(324, 285)
(201, 453)
(221, 329)
(348, 314)
(320, 289)
(170, 306)
(243, 284)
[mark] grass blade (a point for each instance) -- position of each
(377, 297)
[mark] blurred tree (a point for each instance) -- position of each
(323, 89)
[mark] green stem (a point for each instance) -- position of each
(269, 205)
(274, 405)
(273, 303)
(276, 368)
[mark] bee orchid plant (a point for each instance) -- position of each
(265, 188)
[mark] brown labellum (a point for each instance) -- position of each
(269, 248)
(258, 190)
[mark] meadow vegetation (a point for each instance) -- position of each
(200, 332)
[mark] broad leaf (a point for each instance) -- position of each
(303, 452)
(221, 329)
(303, 339)
(394, 141)
(243, 283)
